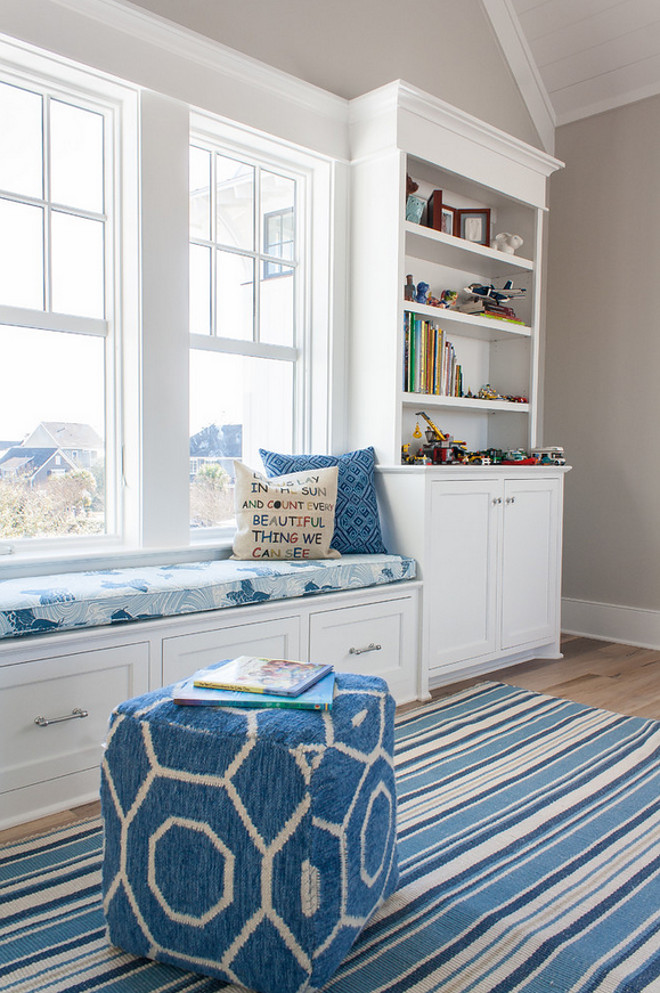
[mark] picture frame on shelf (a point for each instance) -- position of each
(440, 216)
(473, 225)
(448, 219)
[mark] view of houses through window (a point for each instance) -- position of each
(243, 320)
(55, 332)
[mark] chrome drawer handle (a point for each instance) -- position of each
(43, 722)
(369, 648)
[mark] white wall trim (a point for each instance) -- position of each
(517, 52)
(400, 95)
(181, 41)
(610, 103)
(611, 622)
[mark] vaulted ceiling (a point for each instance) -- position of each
(584, 56)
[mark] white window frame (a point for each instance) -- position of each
(310, 351)
(58, 79)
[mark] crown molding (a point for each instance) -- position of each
(389, 99)
(509, 33)
(121, 15)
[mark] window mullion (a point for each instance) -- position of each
(47, 263)
(256, 288)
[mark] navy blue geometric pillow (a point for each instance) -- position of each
(357, 525)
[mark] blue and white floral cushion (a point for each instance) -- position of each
(88, 599)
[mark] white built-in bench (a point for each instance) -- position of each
(74, 645)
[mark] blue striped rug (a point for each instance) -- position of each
(529, 832)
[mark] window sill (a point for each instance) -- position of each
(26, 563)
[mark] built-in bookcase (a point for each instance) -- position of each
(398, 131)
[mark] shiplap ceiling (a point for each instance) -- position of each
(592, 55)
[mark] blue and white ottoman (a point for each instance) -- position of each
(251, 845)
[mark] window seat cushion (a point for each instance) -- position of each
(39, 604)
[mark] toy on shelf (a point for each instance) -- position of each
(422, 292)
(550, 455)
(440, 448)
(487, 299)
(409, 289)
(505, 242)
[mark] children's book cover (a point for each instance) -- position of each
(250, 674)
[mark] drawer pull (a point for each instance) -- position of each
(43, 722)
(369, 648)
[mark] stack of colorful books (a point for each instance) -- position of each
(248, 681)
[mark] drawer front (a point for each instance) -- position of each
(93, 682)
(184, 654)
(377, 639)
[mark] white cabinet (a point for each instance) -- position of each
(488, 545)
(375, 639)
(53, 721)
(492, 567)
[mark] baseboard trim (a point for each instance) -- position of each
(611, 622)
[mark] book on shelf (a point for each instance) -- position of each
(316, 697)
(251, 674)
(430, 365)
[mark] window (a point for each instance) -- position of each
(58, 327)
(247, 341)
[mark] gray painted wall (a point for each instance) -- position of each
(446, 47)
(602, 386)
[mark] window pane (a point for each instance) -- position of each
(77, 266)
(235, 203)
(278, 215)
(199, 179)
(20, 141)
(200, 290)
(52, 460)
(21, 255)
(237, 405)
(76, 157)
(235, 296)
(276, 314)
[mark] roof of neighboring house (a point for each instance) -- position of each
(68, 434)
(29, 460)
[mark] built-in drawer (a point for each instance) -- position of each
(378, 639)
(54, 712)
(275, 638)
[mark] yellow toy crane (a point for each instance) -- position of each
(439, 436)
(441, 448)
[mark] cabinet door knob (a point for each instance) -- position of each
(43, 722)
(497, 500)
(510, 499)
(369, 648)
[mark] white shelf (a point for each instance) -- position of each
(469, 325)
(464, 403)
(430, 245)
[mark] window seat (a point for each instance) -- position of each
(41, 604)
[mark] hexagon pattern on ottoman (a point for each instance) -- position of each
(251, 845)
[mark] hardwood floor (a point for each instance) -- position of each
(596, 673)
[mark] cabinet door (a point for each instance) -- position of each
(531, 555)
(277, 638)
(460, 601)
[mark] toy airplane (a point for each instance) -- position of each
(490, 292)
